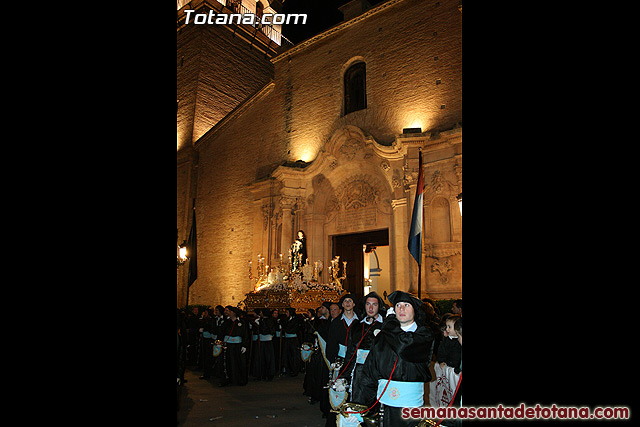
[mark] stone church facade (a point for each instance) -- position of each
(317, 139)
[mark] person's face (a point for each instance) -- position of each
(455, 309)
(449, 329)
(324, 311)
(216, 312)
(371, 307)
(334, 310)
(274, 314)
(348, 304)
(300, 235)
(404, 312)
(227, 312)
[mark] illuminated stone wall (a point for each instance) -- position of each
(406, 85)
(413, 55)
(215, 72)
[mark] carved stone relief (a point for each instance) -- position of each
(442, 267)
(356, 203)
(438, 185)
(350, 148)
(357, 192)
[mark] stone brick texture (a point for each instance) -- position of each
(407, 48)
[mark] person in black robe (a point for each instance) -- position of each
(277, 344)
(192, 336)
(254, 348)
(401, 352)
(207, 324)
(337, 340)
(266, 331)
(236, 336)
(339, 328)
(291, 360)
(313, 377)
(360, 339)
(322, 332)
(307, 333)
(217, 334)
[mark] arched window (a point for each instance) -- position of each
(355, 88)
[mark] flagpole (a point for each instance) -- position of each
(421, 207)
(419, 280)
(419, 260)
(415, 233)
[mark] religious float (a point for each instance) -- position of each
(289, 285)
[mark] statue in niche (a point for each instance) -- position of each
(299, 252)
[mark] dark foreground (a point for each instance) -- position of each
(259, 403)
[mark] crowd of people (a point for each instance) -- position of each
(382, 352)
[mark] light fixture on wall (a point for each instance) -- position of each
(459, 197)
(182, 252)
(411, 130)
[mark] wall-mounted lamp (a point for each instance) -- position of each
(411, 130)
(182, 253)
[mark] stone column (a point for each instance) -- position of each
(399, 265)
(286, 203)
(315, 237)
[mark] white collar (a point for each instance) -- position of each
(410, 328)
(346, 319)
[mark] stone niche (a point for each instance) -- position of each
(442, 268)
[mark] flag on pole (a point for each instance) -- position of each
(415, 234)
(192, 251)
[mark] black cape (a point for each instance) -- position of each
(413, 351)
(361, 337)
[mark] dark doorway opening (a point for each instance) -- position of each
(349, 248)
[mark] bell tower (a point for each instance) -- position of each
(220, 65)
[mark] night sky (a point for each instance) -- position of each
(321, 15)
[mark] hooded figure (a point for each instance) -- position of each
(420, 317)
(397, 365)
